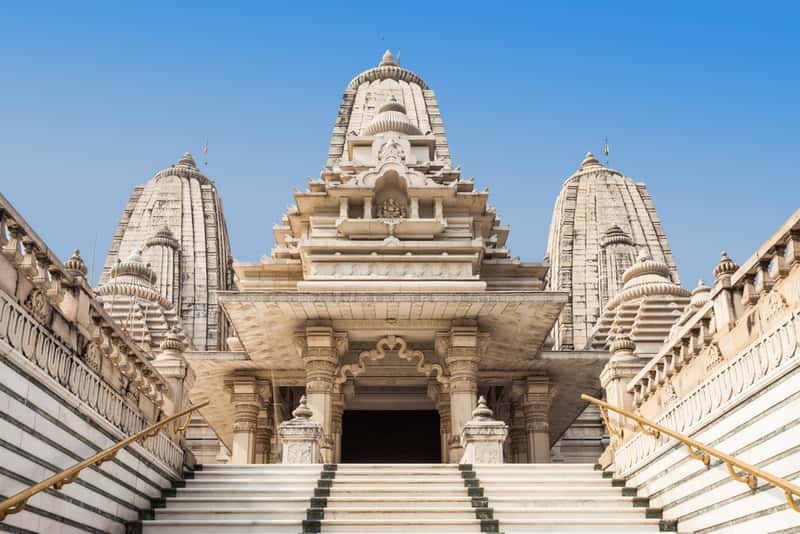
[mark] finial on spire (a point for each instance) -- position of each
(302, 411)
(387, 60)
(187, 160)
(589, 161)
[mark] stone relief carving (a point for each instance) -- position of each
(391, 209)
(392, 342)
(38, 306)
(392, 150)
(394, 270)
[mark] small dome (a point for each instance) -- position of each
(187, 160)
(387, 60)
(615, 235)
(645, 270)
(726, 266)
(391, 117)
(700, 295)
(75, 264)
(590, 161)
(163, 237)
(134, 266)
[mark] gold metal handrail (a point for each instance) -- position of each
(702, 452)
(17, 503)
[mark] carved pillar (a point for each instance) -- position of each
(537, 418)
(336, 425)
(519, 435)
(263, 444)
(614, 377)
(440, 395)
(247, 395)
(464, 347)
(320, 348)
(414, 208)
(367, 207)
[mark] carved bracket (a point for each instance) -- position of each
(392, 342)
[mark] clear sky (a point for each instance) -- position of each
(698, 99)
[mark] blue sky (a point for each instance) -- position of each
(697, 99)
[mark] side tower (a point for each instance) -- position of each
(601, 221)
(176, 220)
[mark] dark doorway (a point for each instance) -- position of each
(391, 436)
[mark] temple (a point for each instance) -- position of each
(390, 353)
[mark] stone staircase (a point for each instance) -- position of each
(384, 498)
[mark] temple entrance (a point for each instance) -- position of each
(391, 436)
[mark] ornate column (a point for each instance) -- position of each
(463, 352)
(619, 370)
(248, 396)
(320, 348)
(440, 395)
(483, 437)
(519, 435)
(263, 444)
(336, 425)
(537, 418)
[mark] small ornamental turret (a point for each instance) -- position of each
(700, 295)
(172, 341)
(725, 268)
(75, 264)
(622, 346)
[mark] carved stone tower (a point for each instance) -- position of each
(176, 220)
(600, 220)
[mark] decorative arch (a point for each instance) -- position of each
(392, 342)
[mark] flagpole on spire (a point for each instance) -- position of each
(205, 153)
(605, 151)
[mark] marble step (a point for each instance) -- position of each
(564, 513)
(234, 513)
(404, 525)
(544, 502)
(395, 513)
(581, 524)
(189, 526)
(413, 501)
(255, 503)
(275, 491)
(243, 473)
(232, 481)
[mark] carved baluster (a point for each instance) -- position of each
(791, 255)
(3, 238)
(765, 281)
(11, 250)
(27, 264)
(749, 293)
(42, 278)
(56, 289)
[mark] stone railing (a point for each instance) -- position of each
(737, 341)
(751, 284)
(50, 315)
(769, 357)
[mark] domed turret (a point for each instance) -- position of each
(391, 117)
